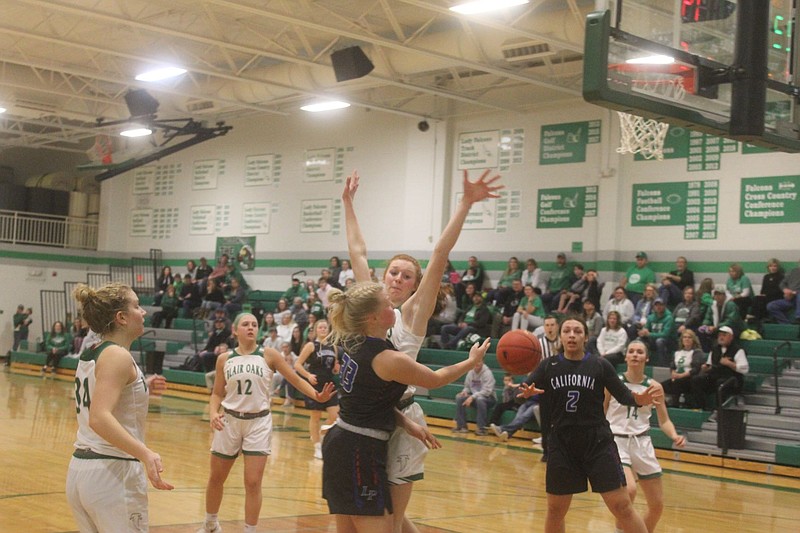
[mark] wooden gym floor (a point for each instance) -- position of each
(472, 485)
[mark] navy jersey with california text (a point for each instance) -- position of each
(575, 389)
(365, 399)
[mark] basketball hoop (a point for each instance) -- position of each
(639, 135)
(101, 151)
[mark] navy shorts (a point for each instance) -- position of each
(354, 474)
(580, 454)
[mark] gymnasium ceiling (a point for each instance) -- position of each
(64, 63)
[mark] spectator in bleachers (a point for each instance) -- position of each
(478, 392)
(219, 271)
(739, 289)
(705, 295)
(309, 328)
(558, 283)
(334, 271)
(687, 313)
(637, 278)
(272, 340)
(21, 320)
(189, 296)
(218, 314)
(285, 327)
(297, 289)
(346, 273)
(658, 331)
(504, 315)
(450, 275)
(770, 289)
(213, 299)
(502, 292)
(612, 339)
(641, 311)
(726, 365)
(57, 344)
(169, 309)
(232, 273)
(780, 309)
(587, 287)
(178, 283)
(508, 401)
(297, 340)
(473, 275)
(164, 280)
(267, 323)
(476, 319)
(191, 267)
(721, 313)
(315, 307)
(594, 321)
(620, 303)
(218, 337)
(532, 275)
(685, 364)
(203, 271)
(573, 293)
(234, 302)
(323, 288)
(530, 313)
(281, 309)
(310, 286)
(674, 282)
(526, 412)
(447, 310)
(279, 382)
(299, 313)
(465, 302)
(80, 328)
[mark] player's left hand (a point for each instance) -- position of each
(327, 392)
(679, 441)
(156, 385)
(418, 431)
(526, 391)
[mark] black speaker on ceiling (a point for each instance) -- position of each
(140, 103)
(351, 63)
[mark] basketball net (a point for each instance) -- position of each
(102, 150)
(639, 135)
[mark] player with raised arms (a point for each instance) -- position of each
(414, 297)
(580, 444)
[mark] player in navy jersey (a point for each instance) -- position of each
(580, 444)
(323, 363)
(373, 378)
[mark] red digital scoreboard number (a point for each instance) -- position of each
(703, 10)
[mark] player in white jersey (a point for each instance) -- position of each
(240, 417)
(415, 298)
(107, 477)
(631, 427)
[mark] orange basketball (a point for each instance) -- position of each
(519, 351)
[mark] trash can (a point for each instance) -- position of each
(731, 428)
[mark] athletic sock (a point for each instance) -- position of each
(211, 518)
(249, 529)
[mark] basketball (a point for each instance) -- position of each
(519, 351)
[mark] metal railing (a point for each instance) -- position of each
(40, 229)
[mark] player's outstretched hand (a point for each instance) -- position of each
(653, 394)
(481, 189)
(327, 391)
(526, 391)
(478, 351)
(350, 187)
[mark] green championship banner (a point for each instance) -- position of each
(566, 207)
(693, 205)
(566, 143)
(770, 200)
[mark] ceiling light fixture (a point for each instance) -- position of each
(484, 6)
(325, 106)
(137, 131)
(160, 74)
(651, 60)
(3, 109)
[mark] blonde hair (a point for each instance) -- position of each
(349, 311)
(99, 307)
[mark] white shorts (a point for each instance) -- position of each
(250, 437)
(639, 455)
(406, 456)
(107, 495)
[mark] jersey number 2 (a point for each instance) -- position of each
(572, 401)
(84, 397)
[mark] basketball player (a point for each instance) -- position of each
(323, 363)
(244, 425)
(373, 379)
(580, 443)
(415, 297)
(108, 472)
(631, 427)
